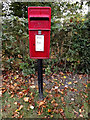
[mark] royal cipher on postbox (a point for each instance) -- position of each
(39, 24)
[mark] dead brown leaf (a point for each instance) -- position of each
(49, 110)
(57, 95)
(15, 115)
(4, 90)
(61, 110)
(80, 76)
(41, 103)
(75, 82)
(53, 101)
(15, 84)
(61, 73)
(39, 113)
(9, 105)
(26, 99)
(20, 107)
(15, 103)
(81, 115)
(62, 99)
(55, 104)
(12, 87)
(75, 111)
(51, 116)
(12, 96)
(20, 116)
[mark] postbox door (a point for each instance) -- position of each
(39, 44)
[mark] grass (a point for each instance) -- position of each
(69, 103)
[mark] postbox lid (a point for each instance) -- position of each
(35, 7)
(39, 11)
(39, 18)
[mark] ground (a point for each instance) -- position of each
(65, 96)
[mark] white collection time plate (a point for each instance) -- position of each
(39, 43)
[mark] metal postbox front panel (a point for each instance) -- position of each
(39, 54)
(39, 32)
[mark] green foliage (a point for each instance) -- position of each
(47, 70)
(69, 45)
(15, 36)
(20, 8)
(71, 38)
(76, 45)
(16, 45)
(27, 69)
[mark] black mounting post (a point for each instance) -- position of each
(40, 78)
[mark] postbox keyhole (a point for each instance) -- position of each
(39, 32)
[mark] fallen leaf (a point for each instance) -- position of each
(15, 103)
(69, 83)
(72, 99)
(12, 96)
(15, 114)
(61, 110)
(75, 90)
(39, 113)
(55, 104)
(61, 92)
(57, 95)
(62, 84)
(44, 106)
(68, 59)
(75, 111)
(9, 105)
(31, 107)
(75, 82)
(66, 86)
(75, 32)
(20, 94)
(82, 106)
(0, 93)
(64, 76)
(53, 101)
(62, 99)
(49, 110)
(50, 95)
(21, 106)
(4, 90)
(86, 96)
(59, 85)
(41, 103)
(51, 116)
(19, 56)
(56, 87)
(80, 110)
(44, 84)
(33, 86)
(20, 116)
(16, 76)
(61, 73)
(15, 84)
(12, 87)
(81, 115)
(26, 99)
(46, 91)
(80, 76)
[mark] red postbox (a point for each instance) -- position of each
(39, 24)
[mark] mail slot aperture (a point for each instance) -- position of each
(39, 18)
